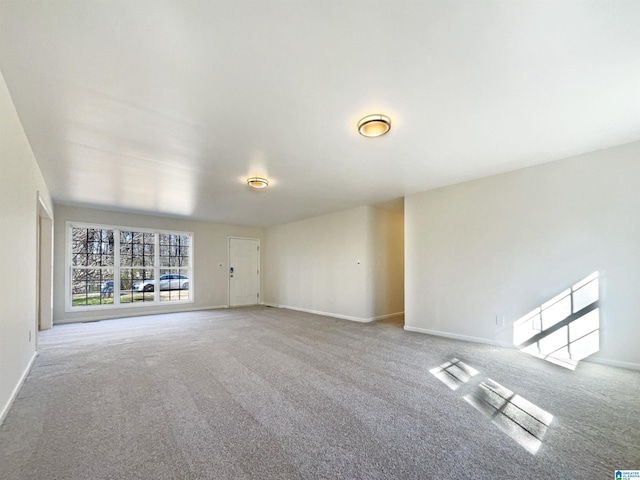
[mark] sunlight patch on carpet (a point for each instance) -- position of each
(454, 373)
(520, 419)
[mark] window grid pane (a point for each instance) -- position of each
(174, 250)
(92, 247)
(136, 285)
(91, 287)
(174, 284)
(137, 249)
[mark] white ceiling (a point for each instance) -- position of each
(165, 107)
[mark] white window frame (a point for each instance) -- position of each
(70, 225)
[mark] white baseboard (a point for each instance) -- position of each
(16, 390)
(497, 343)
(612, 363)
(456, 336)
(133, 313)
(334, 315)
(319, 312)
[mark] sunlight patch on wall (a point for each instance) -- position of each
(565, 329)
(520, 419)
(454, 373)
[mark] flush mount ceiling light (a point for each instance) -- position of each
(257, 182)
(374, 125)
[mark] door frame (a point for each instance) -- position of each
(259, 302)
(44, 268)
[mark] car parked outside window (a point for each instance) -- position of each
(106, 288)
(168, 281)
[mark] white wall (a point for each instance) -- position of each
(503, 245)
(20, 182)
(211, 281)
(330, 265)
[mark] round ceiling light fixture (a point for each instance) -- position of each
(257, 182)
(374, 125)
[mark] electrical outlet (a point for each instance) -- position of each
(500, 320)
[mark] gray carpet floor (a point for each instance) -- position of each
(264, 393)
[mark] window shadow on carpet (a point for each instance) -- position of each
(520, 419)
(454, 373)
(514, 415)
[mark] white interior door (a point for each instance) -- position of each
(244, 271)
